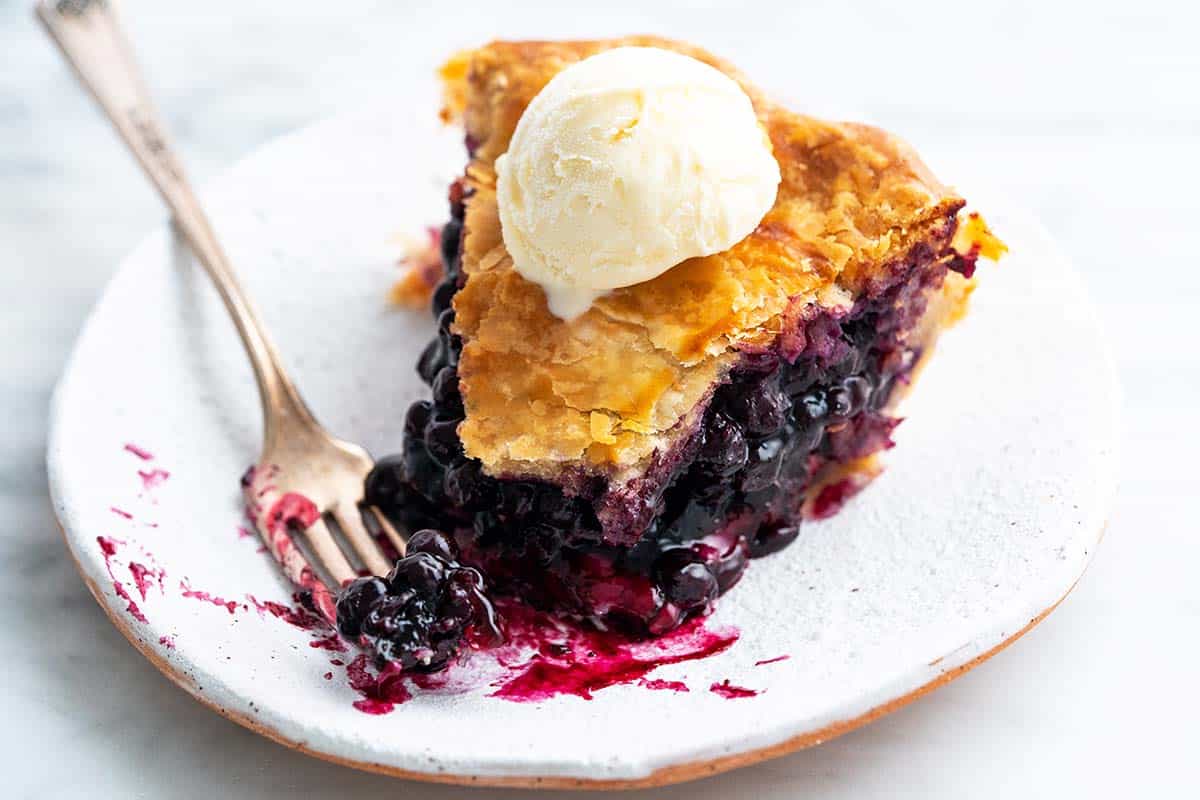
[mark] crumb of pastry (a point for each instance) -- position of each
(422, 265)
(974, 237)
(453, 75)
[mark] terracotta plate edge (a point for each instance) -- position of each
(664, 776)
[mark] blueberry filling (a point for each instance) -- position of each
(424, 612)
(646, 556)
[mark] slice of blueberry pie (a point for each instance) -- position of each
(675, 321)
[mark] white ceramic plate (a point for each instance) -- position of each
(987, 515)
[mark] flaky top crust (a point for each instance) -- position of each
(601, 394)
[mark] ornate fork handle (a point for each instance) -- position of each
(307, 485)
(90, 36)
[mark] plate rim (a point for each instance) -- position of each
(662, 776)
(684, 769)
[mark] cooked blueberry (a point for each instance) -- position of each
(429, 608)
(764, 464)
(519, 498)
(807, 437)
(433, 358)
(574, 516)
(445, 322)
(420, 571)
(812, 407)
(489, 528)
(356, 599)
(414, 513)
(442, 296)
(691, 586)
(773, 537)
(420, 470)
(729, 567)
(384, 481)
(800, 378)
(387, 651)
(467, 487)
(793, 473)
(760, 502)
(458, 602)
(404, 505)
(445, 393)
(760, 408)
(416, 418)
(859, 389)
(543, 543)
(383, 617)
(839, 401)
(724, 448)
(433, 542)
(700, 510)
(441, 439)
(451, 232)
(673, 559)
(551, 503)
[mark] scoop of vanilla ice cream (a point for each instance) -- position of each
(626, 164)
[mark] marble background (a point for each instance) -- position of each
(1089, 112)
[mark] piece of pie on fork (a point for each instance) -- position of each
(623, 467)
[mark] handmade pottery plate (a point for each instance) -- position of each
(991, 505)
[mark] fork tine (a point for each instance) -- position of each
(295, 564)
(349, 519)
(389, 530)
(291, 558)
(326, 550)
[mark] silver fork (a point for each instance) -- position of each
(306, 480)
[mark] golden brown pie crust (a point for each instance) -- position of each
(601, 394)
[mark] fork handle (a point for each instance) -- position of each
(90, 36)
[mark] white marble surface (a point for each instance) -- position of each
(1089, 113)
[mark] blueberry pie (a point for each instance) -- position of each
(620, 459)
